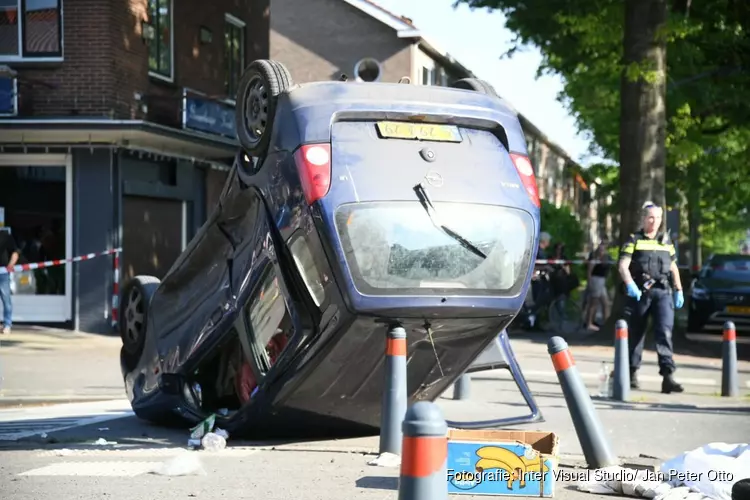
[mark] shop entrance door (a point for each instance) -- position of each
(152, 235)
(36, 194)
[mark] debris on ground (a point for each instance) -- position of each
(213, 442)
(185, 464)
(205, 436)
(203, 428)
(705, 473)
(103, 442)
(386, 460)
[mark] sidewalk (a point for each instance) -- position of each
(41, 365)
(44, 366)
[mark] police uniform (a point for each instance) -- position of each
(650, 268)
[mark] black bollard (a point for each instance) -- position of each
(425, 459)
(462, 387)
(729, 383)
(621, 382)
(394, 400)
(594, 442)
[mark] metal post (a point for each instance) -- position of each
(621, 382)
(729, 383)
(591, 436)
(425, 460)
(462, 387)
(394, 400)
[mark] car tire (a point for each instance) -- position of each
(257, 95)
(476, 85)
(694, 324)
(134, 309)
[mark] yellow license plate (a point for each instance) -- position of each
(420, 131)
(738, 309)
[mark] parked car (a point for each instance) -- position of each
(351, 207)
(721, 292)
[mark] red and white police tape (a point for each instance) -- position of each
(57, 262)
(116, 274)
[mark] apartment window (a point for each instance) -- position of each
(234, 53)
(160, 45)
(30, 29)
(427, 76)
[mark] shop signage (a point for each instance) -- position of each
(208, 115)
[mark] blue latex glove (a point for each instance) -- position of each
(679, 299)
(633, 291)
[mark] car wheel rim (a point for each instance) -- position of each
(134, 316)
(256, 109)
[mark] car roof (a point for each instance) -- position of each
(729, 256)
(315, 106)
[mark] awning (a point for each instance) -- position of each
(135, 134)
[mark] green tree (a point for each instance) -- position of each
(564, 228)
(611, 55)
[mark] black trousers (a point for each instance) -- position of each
(657, 303)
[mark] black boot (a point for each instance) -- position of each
(634, 380)
(668, 384)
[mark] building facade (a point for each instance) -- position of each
(116, 130)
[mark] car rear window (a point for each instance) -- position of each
(394, 248)
(736, 264)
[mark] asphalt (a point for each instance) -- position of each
(50, 450)
(86, 367)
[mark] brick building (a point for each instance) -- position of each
(116, 122)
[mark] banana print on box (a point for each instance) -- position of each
(517, 467)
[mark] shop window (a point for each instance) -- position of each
(33, 203)
(234, 53)
(160, 45)
(269, 321)
(30, 29)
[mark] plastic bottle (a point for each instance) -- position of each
(213, 442)
(604, 380)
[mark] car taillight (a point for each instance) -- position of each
(526, 171)
(314, 165)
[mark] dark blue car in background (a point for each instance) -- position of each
(350, 208)
(720, 293)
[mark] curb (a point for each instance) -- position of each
(26, 401)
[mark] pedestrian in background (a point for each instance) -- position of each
(648, 267)
(596, 285)
(8, 259)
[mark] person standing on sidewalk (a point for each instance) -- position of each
(648, 267)
(596, 289)
(8, 259)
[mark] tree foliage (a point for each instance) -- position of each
(708, 84)
(563, 227)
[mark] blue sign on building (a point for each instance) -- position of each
(8, 96)
(209, 116)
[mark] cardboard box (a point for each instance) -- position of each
(502, 463)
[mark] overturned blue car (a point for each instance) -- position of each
(351, 207)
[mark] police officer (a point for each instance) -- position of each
(648, 267)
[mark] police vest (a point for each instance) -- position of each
(649, 256)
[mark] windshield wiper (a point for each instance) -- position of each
(424, 198)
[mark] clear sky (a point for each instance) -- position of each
(477, 39)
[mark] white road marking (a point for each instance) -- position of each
(595, 376)
(17, 423)
(114, 451)
(97, 469)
